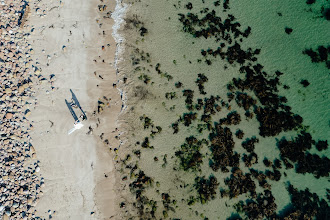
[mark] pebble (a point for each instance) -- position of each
(9, 116)
(18, 76)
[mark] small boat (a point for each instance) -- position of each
(75, 104)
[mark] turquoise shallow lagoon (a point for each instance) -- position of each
(227, 117)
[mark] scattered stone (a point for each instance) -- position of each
(19, 183)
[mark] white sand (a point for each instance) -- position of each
(74, 167)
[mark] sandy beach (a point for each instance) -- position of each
(72, 40)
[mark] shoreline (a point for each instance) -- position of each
(84, 189)
(177, 127)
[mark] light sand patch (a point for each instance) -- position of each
(69, 43)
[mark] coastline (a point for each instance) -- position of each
(175, 127)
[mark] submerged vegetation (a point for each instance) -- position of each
(202, 141)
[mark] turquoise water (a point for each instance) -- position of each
(162, 53)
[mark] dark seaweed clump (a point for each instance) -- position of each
(245, 101)
(313, 163)
(275, 116)
(239, 134)
(320, 55)
(273, 113)
(200, 82)
(295, 151)
(189, 94)
(189, 154)
(322, 145)
(304, 82)
(206, 188)
(326, 13)
(233, 118)
(138, 187)
(305, 205)
(263, 206)
(143, 31)
(310, 2)
(249, 144)
(288, 30)
(238, 184)
(222, 145)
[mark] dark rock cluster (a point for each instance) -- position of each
(304, 82)
(147, 122)
(212, 25)
(146, 143)
(167, 203)
(188, 118)
(274, 117)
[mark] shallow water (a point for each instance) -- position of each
(160, 54)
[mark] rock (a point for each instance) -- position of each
(14, 137)
(8, 212)
(15, 205)
(9, 116)
(37, 169)
(27, 113)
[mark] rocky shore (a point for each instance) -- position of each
(21, 184)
